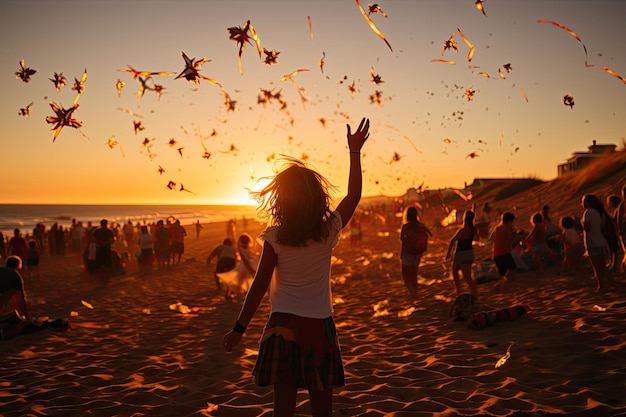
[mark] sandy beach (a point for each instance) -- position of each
(130, 350)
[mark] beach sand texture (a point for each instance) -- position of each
(132, 354)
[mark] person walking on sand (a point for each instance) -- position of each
(414, 237)
(17, 245)
(464, 254)
(178, 233)
(198, 229)
(299, 347)
(502, 239)
(593, 220)
(103, 237)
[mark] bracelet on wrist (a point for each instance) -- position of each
(239, 328)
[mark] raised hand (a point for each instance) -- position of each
(356, 140)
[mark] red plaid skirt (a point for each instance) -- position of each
(299, 350)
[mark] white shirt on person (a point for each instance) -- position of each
(301, 282)
(592, 221)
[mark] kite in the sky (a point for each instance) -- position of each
(507, 67)
(470, 45)
(118, 86)
(270, 56)
(449, 44)
(138, 126)
(161, 170)
(240, 35)
(112, 143)
(375, 8)
(568, 101)
(171, 185)
(376, 79)
(571, 32)
(24, 73)
(192, 71)
(479, 6)
(377, 98)
(613, 73)
(472, 155)
(59, 81)
(290, 78)
(79, 86)
(469, 93)
(445, 61)
(308, 18)
(26, 110)
(136, 73)
(62, 118)
(372, 25)
(143, 86)
(322, 61)
(182, 188)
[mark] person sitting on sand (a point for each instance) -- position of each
(226, 259)
(12, 295)
(502, 239)
(239, 278)
(464, 254)
(299, 347)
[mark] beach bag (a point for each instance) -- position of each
(464, 307)
(416, 241)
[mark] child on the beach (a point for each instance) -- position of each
(574, 248)
(238, 279)
(299, 347)
(502, 239)
(414, 237)
(32, 259)
(463, 254)
(537, 239)
(226, 258)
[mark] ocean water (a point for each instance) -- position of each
(26, 216)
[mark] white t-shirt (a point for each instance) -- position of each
(301, 282)
(592, 221)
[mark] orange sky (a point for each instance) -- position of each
(422, 131)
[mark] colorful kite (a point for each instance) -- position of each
(59, 81)
(240, 35)
(62, 118)
(571, 32)
(372, 25)
(613, 73)
(25, 72)
(469, 44)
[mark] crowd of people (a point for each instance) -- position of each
(595, 240)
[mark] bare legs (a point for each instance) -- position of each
(601, 273)
(409, 275)
(466, 271)
(285, 401)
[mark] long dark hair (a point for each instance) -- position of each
(468, 220)
(297, 201)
